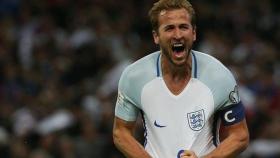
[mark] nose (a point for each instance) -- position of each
(177, 33)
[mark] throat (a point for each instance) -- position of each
(176, 77)
(176, 84)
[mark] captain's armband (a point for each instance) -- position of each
(233, 114)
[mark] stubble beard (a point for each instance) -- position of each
(167, 52)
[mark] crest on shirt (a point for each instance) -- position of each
(234, 96)
(196, 120)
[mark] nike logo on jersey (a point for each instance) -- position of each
(158, 125)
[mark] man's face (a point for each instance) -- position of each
(175, 35)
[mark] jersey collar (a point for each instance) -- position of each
(194, 65)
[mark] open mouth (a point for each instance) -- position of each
(178, 47)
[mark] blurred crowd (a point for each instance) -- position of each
(60, 62)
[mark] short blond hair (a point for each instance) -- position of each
(170, 5)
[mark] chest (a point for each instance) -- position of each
(158, 103)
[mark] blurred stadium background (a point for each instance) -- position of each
(60, 61)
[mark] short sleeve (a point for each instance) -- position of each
(126, 108)
(224, 89)
(232, 110)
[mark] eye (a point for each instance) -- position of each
(169, 28)
(184, 27)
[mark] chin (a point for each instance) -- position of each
(179, 63)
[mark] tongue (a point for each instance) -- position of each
(178, 53)
(178, 49)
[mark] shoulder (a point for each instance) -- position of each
(140, 68)
(206, 61)
(211, 68)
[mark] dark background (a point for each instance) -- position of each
(60, 61)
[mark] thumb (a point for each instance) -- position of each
(187, 153)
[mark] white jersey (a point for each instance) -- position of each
(177, 122)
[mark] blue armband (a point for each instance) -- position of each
(233, 114)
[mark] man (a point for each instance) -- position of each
(183, 95)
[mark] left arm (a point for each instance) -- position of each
(236, 140)
(235, 135)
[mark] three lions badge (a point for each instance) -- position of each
(196, 120)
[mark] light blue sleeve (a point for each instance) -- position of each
(226, 92)
(126, 108)
(131, 83)
(226, 98)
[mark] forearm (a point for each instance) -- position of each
(230, 147)
(129, 146)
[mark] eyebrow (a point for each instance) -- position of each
(169, 25)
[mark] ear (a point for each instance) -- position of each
(156, 38)
(194, 34)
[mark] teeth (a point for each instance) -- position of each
(177, 45)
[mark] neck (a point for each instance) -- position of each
(176, 72)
